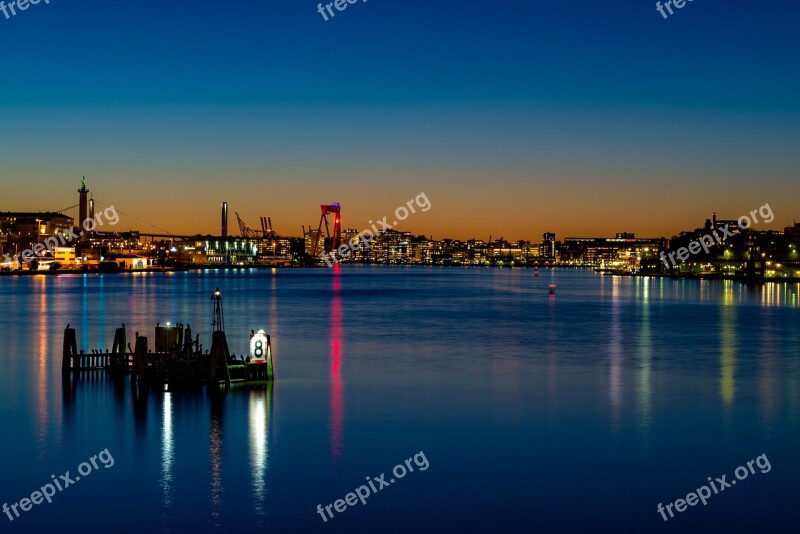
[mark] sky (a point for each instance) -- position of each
(579, 117)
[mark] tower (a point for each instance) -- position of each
(224, 229)
(83, 206)
(91, 215)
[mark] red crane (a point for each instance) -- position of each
(332, 242)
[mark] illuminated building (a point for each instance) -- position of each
(624, 251)
(66, 257)
(423, 251)
(34, 225)
(395, 247)
(315, 240)
(230, 251)
(548, 249)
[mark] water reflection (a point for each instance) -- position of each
(167, 454)
(552, 355)
(141, 395)
(641, 317)
(615, 354)
(769, 370)
(337, 394)
(645, 355)
(727, 333)
(259, 417)
(215, 453)
(779, 294)
(42, 418)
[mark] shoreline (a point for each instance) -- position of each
(710, 276)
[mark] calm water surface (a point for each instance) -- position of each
(577, 412)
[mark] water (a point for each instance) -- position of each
(577, 412)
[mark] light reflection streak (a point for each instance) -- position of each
(337, 395)
(779, 294)
(645, 354)
(615, 353)
(167, 452)
(727, 382)
(770, 370)
(552, 355)
(215, 455)
(40, 378)
(259, 419)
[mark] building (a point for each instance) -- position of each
(129, 262)
(313, 236)
(273, 250)
(229, 251)
(20, 231)
(793, 234)
(624, 251)
(65, 256)
(395, 247)
(548, 248)
(352, 238)
(478, 251)
(34, 225)
(423, 251)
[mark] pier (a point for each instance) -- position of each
(176, 358)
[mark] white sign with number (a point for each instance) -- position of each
(259, 345)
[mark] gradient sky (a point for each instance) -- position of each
(581, 117)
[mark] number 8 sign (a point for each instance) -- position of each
(259, 346)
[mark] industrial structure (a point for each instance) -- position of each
(330, 241)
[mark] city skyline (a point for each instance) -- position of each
(415, 224)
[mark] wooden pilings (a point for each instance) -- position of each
(140, 357)
(183, 363)
(70, 350)
(218, 367)
(166, 338)
(119, 351)
(71, 360)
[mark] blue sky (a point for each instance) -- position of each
(579, 117)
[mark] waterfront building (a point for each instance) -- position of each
(548, 248)
(34, 225)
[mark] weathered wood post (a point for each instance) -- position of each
(118, 349)
(162, 338)
(70, 353)
(187, 342)
(220, 354)
(140, 357)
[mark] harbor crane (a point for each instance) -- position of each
(332, 241)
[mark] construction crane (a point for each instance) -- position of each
(268, 239)
(266, 232)
(333, 241)
(245, 230)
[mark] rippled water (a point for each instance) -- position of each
(579, 411)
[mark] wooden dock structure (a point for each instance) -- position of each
(178, 357)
